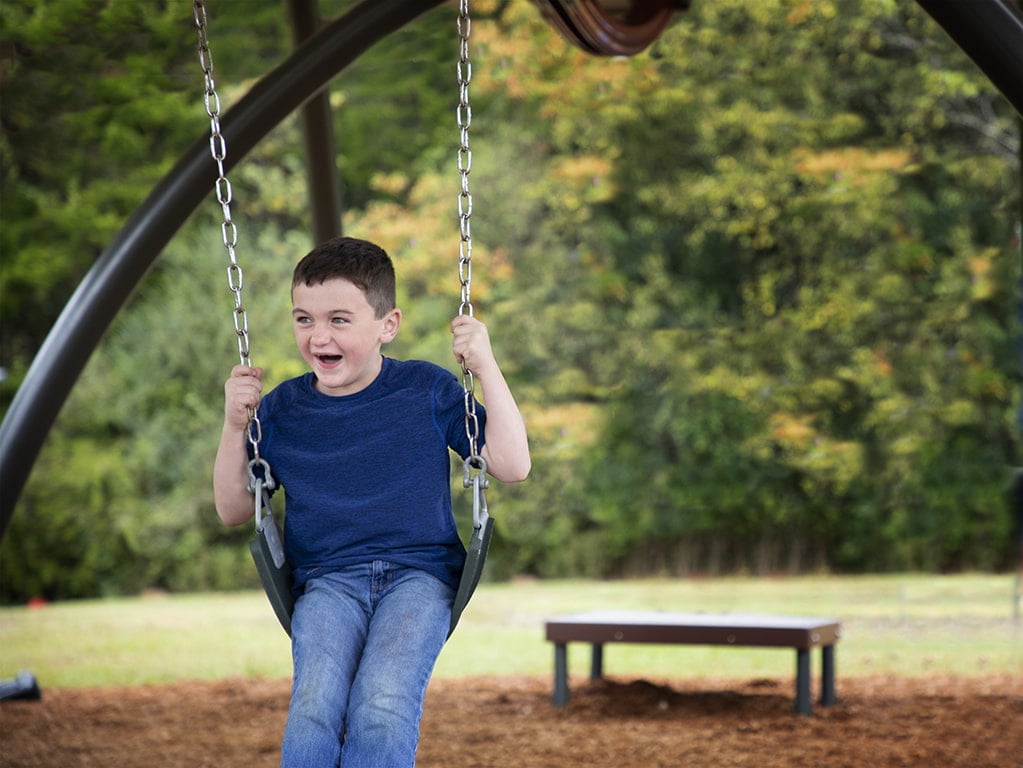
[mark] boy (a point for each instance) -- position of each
(361, 445)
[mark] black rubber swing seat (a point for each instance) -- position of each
(274, 572)
(475, 559)
(276, 577)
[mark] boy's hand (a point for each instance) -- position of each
(507, 447)
(241, 394)
(471, 345)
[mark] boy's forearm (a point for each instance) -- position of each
(507, 446)
(231, 493)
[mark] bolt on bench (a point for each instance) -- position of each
(751, 630)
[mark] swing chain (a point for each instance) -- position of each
(464, 118)
(228, 229)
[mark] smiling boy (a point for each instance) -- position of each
(360, 444)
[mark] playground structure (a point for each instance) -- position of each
(989, 31)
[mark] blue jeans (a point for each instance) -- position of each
(364, 643)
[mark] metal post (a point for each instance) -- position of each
(828, 696)
(322, 179)
(803, 705)
(560, 674)
(597, 662)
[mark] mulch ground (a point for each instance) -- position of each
(938, 722)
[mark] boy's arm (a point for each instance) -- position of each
(231, 493)
(506, 450)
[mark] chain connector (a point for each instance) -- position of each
(267, 479)
(476, 478)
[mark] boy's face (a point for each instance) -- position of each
(339, 334)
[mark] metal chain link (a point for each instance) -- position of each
(229, 232)
(464, 116)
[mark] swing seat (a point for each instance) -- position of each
(273, 569)
(275, 573)
(475, 559)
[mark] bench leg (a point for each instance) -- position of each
(597, 662)
(803, 705)
(560, 674)
(828, 676)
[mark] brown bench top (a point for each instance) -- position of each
(618, 626)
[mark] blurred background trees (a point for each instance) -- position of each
(755, 288)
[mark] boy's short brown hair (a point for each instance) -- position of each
(360, 262)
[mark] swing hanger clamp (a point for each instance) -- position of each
(262, 479)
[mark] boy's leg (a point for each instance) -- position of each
(328, 631)
(408, 629)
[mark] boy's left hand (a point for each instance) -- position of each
(471, 344)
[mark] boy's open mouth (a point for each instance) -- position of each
(329, 359)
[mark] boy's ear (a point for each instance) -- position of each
(390, 325)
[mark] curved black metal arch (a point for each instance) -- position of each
(126, 260)
(989, 31)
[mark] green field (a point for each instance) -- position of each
(901, 624)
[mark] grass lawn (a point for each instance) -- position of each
(900, 624)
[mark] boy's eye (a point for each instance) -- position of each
(339, 320)
(302, 320)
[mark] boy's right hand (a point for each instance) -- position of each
(241, 395)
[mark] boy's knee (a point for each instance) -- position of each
(384, 729)
(383, 710)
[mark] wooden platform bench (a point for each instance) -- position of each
(750, 630)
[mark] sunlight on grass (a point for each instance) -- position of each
(899, 625)
(905, 624)
(144, 640)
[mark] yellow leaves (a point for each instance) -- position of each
(796, 441)
(793, 430)
(854, 165)
(587, 177)
(564, 426)
(586, 168)
(799, 12)
(882, 366)
(984, 284)
(423, 239)
(838, 461)
(805, 11)
(393, 184)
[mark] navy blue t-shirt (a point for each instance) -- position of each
(367, 476)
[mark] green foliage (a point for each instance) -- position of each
(811, 290)
(119, 500)
(755, 288)
(92, 111)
